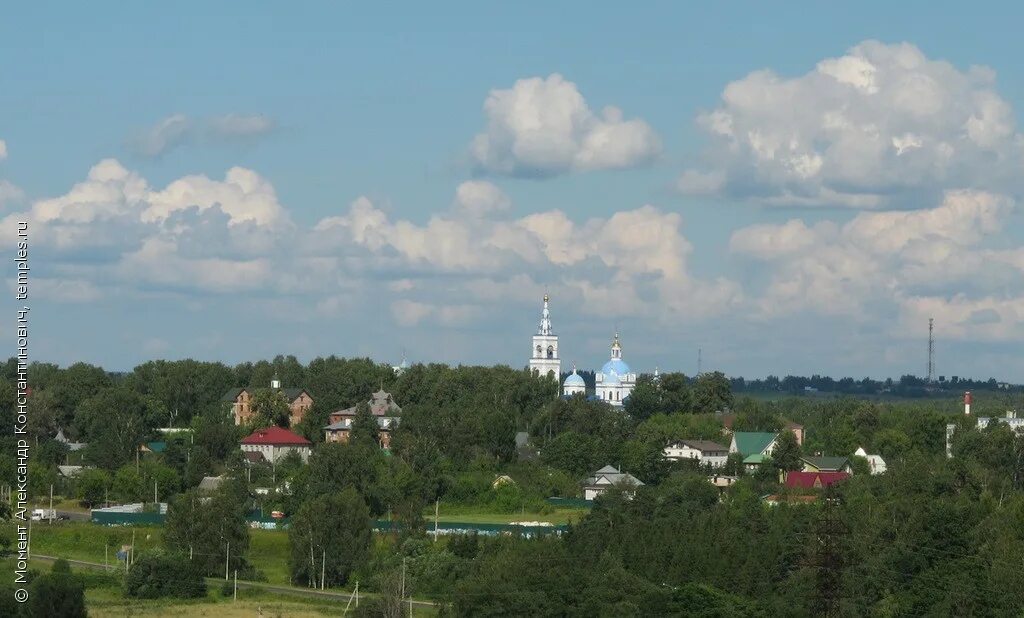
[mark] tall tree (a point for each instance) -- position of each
(787, 454)
(270, 407)
(115, 422)
(329, 537)
(712, 392)
(214, 530)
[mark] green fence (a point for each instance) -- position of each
(381, 525)
(571, 503)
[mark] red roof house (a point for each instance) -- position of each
(814, 480)
(273, 443)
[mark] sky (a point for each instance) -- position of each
(792, 188)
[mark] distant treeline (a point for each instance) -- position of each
(905, 386)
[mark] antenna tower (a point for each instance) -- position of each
(931, 351)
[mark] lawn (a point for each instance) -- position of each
(104, 598)
(268, 549)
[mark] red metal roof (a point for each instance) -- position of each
(814, 480)
(276, 436)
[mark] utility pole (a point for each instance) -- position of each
(155, 499)
(235, 594)
(403, 577)
(931, 351)
(437, 506)
(323, 568)
(227, 558)
(49, 515)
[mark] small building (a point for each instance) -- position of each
(299, 402)
(722, 481)
(813, 480)
(606, 478)
(211, 483)
(502, 479)
(72, 446)
(827, 464)
(382, 407)
(1011, 420)
(701, 451)
(70, 472)
(153, 447)
(875, 462)
(274, 444)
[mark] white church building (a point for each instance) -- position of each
(613, 383)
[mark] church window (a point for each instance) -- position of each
(538, 351)
(551, 352)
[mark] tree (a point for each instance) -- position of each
(114, 423)
(270, 407)
(92, 486)
(329, 537)
(365, 430)
(58, 593)
(571, 451)
(712, 392)
(211, 530)
(787, 454)
(157, 576)
(644, 401)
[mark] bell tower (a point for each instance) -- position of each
(544, 358)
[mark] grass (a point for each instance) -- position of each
(107, 599)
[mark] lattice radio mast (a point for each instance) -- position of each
(931, 351)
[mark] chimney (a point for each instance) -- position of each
(967, 403)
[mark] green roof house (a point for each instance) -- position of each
(748, 443)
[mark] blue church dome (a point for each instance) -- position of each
(616, 366)
(611, 379)
(574, 379)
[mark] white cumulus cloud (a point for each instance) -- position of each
(544, 127)
(864, 130)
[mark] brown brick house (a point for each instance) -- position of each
(299, 401)
(382, 407)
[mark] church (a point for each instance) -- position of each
(613, 383)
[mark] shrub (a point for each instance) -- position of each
(161, 575)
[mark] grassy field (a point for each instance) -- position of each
(268, 549)
(106, 599)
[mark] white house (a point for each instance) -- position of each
(607, 477)
(275, 443)
(875, 462)
(701, 451)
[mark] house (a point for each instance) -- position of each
(607, 477)
(502, 479)
(72, 446)
(701, 451)
(153, 447)
(755, 446)
(70, 472)
(875, 462)
(813, 480)
(382, 407)
(274, 443)
(748, 443)
(211, 483)
(796, 429)
(721, 481)
(299, 402)
(827, 464)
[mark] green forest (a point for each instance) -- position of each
(933, 535)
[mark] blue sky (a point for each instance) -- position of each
(806, 220)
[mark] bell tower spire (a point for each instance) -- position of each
(544, 360)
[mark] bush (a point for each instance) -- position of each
(161, 575)
(56, 594)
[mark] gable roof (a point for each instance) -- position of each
(814, 480)
(381, 404)
(827, 464)
(291, 394)
(703, 446)
(276, 436)
(752, 442)
(610, 475)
